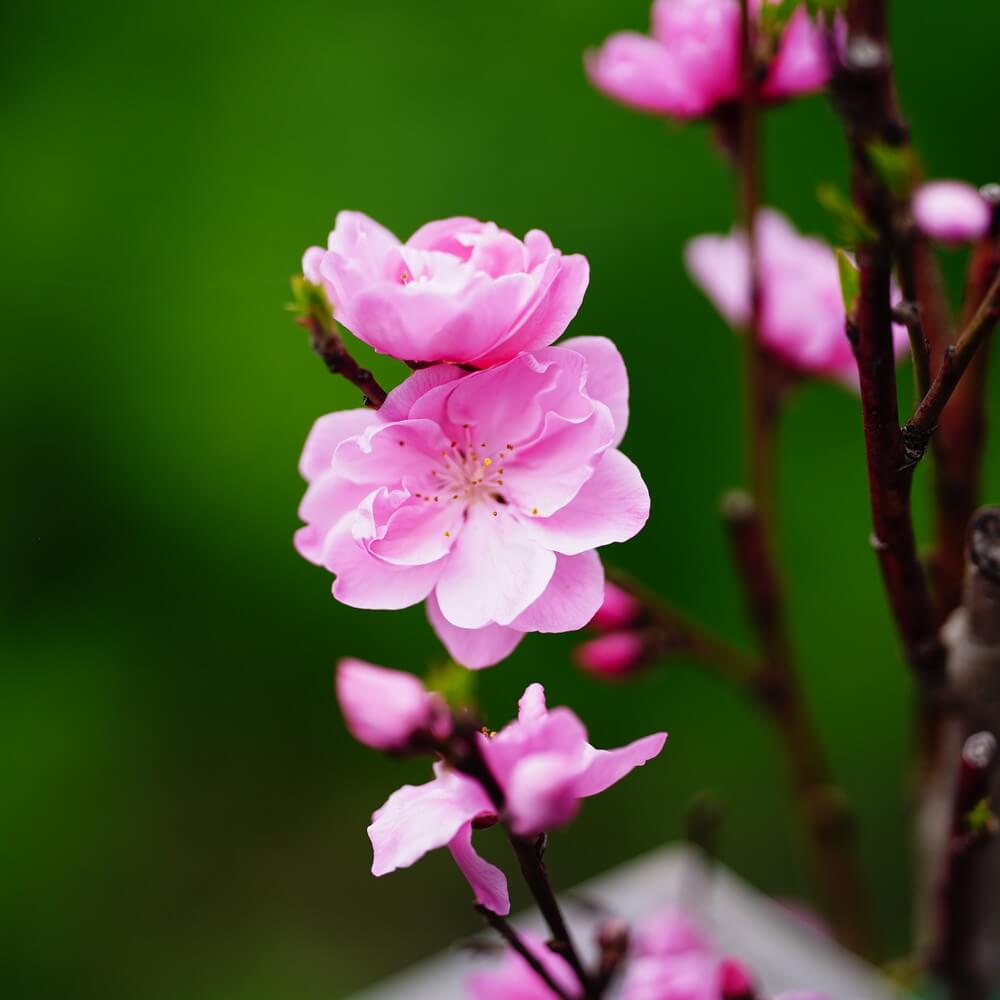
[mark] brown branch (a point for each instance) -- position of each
(503, 927)
(967, 948)
(960, 439)
(820, 803)
(326, 342)
(865, 96)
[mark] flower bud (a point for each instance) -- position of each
(735, 981)
(613, 655)
(387, 709)
(951, 211)
(618, 610)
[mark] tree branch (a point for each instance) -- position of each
(503, 927)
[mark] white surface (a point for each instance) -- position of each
(782, 954)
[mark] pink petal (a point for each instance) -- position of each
(802, 63)
(607, 767)
(612, 506)
(670, 932)
(720, 266)
(541, 793)
(383, 708)
(327, 501)
(571, 599)
(364, 581)
(613, 655)
(494, 571)
(443, 236)
(328, 432)
(418, 818)
(607, 379)
(399, 403)
(489, 884)
(550, 314)
(951, 211)
(386, 453)
(474, 648)
(618, 609)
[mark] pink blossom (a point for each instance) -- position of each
(619, 609)
(615, 654)
(802, 309)
(670, 932)
(735, 981)
(516, 980)
(544, 766)
(691, 63)
(457, 290)
(386, 709)
(951, 211)
(484, 494)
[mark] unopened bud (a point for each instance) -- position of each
(618, 610)
(616, 654)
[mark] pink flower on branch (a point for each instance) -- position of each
(388, 709)
(802, 307)
(457, 290)
(951, 211)
(543, 766)
(690, 64)
(484, 494)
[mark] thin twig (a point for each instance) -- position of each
(957, 358)
(959, 440)
(338, 360)
(503, 927)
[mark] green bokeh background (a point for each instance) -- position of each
(182, 812)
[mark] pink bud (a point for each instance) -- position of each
(951, 211)
(735, 981)
(385, 709)
(613, 655)
(618, 610)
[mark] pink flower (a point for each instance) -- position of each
(484, 494)
(692, 62)
(458, 289)
(615, 654)
(802, 309)
(543, 764)
(951, 211)
(516, 980)
(386, 709)
(619, 609)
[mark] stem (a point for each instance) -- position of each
(821, 804)
(537, 879)
(326, 342)
(956, 361)
(959, 442)
(507, 932)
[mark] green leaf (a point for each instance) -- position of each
(457, 685)
(310, 302)
(981, 818)
(850, 281)
(774, 17)
(852, 227)
(896, 166)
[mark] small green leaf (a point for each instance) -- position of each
(852, 227)
(850, 281)
(981, 819)
(774, 17)
(457, 685)
(896, 166)
(310, 302)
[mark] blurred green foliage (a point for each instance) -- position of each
(183, 814)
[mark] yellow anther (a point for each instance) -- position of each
(487, 461)
(534, 510)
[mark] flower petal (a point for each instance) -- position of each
(327, 433)
(473, 648)
(607, 767)
(571, 599)
(489, 884)
(607, 379)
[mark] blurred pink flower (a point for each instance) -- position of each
(615, 654)
(483, 493)
(691, 62)
(619, 609)
(386, 709)
(458, 290)
(516, 980)
(951, 211)
(802, 309)
(544, 766)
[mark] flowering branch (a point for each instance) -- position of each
(504, 928)
(866, 98)
(316, 315)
